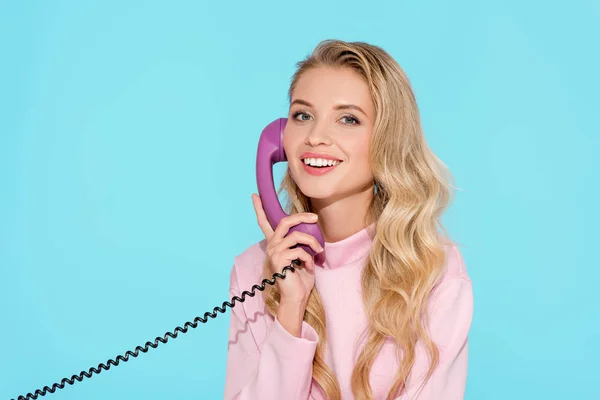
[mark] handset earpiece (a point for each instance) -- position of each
(270, 151)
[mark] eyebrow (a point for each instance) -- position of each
(338, 107)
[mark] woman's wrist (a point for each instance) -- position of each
(290, 316)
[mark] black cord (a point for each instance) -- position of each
(160, 339)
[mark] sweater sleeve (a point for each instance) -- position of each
(278, 368)
(450, 320)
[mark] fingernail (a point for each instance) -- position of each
(314, 216)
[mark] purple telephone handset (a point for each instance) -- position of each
(270, 151)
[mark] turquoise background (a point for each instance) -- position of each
(127, 146)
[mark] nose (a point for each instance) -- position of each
(318, 135)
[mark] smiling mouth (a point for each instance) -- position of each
(320, 162)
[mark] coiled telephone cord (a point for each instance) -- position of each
(160, 339)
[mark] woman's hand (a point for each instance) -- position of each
(296, 287)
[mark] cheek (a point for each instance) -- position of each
(361, 159)
(361, 152)
(289, 144)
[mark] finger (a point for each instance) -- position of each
(299, 238)
(308, 261)
(261, 217)
(291, 220)
(302, 255)
(284, 259)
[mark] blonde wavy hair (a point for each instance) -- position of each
(412, 190)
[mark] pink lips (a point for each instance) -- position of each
(318, 155)
(318, 171)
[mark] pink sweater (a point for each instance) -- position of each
(265, 362)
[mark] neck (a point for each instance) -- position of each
(343, 217)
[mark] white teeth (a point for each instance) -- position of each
(320, 162)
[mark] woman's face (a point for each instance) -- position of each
(328, 133)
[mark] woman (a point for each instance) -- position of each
(383, 312)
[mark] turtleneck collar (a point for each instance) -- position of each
(347, 250)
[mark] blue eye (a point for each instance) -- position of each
(300, 113)
(355, 121)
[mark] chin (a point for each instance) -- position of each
(316, 193)
(327, 193)
(322, 190)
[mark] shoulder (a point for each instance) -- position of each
(453, 294)
(248, 266)
(451, 304)
(454, 264)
